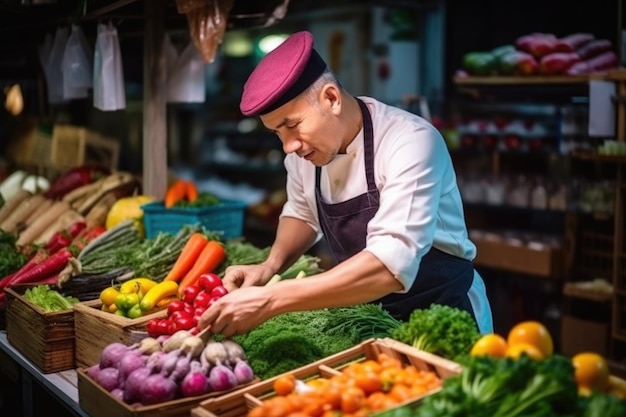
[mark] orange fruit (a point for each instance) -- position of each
(532, 333)
(284, 384)
(491, 344)
(516, 350)
(591, 371)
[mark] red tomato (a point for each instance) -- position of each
(184, 323)
(153, 329)
(163, 326)
(176, 305)
(198, 311)
(209, 281)
(202, 299)
(189, 293)
(188, 309)
(178, 314)
(171, 327)
(219, 291)
(212, 300)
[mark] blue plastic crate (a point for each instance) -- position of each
(227, 217)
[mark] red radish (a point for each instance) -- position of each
(219, 291)
(51, 266)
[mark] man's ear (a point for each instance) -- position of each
(330, 97)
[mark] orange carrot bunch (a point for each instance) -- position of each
(180, 190)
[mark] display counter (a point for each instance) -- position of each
(61, 385)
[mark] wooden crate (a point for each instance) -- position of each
(546, 262)
(238, 403)
(95, 329)
(98, 402)
(45, 339)
(75, 145)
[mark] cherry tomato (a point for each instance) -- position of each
(212, 300)
(219, 291)
(202, 299)
(153, 329)
(189, 293)
(198, 311)
(209, 281)
(171, 327)
(176, 305)
(184, 323)
(178, 314)
(163, 326)
(188, 309)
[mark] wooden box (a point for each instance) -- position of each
(76, 145)
(546, 262)
(46, 339)
(98, 402)
(95, 329)
(238, 403)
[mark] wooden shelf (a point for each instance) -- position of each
(594, 157)
(521, 80)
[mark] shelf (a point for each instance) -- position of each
(594, 157)
(578, 290)
(521, 80)
(544, 263)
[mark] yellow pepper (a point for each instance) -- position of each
(158, 292)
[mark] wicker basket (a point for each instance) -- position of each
(46, 339)
(96, 329)
(227, 217)
(237, 404)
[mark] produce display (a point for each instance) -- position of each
(181, 365)
(543, 54)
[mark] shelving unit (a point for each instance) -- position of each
(594, 244)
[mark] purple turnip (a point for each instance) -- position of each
(108, 378)
(112, 354)
(131, 361)
(118, 393)
(222, 378)
(195, 381)
(243, 371)
(93, 371)
(157, 389)
(132, 385)
(182, 368)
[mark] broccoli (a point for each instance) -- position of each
(442, 330)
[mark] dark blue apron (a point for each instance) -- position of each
(442, 278)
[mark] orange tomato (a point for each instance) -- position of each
(368, 381)
(352, 399)
(284, 384)
(516, 350)
(491, 344)
(591, 371)
(532, 333)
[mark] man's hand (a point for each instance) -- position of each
(240, 276)
(237, 312)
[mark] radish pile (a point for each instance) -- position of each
(164, 369)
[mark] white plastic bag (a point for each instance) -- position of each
(108, 74)
(51, 57)
(77, 65)
(185, 74)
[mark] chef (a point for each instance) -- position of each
(375, 181)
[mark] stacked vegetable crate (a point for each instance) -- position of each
(46, 339)
(240, 402)
(95, 329)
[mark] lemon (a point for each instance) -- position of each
(128, 208)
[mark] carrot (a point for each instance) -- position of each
(51, 266)
(191, 191)
(211, 256)
(188, 256)
(175, 193)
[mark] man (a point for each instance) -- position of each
(376, 181)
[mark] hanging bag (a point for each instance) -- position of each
(77, 65)
(108, 74)
(185, 76)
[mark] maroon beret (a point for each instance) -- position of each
(281, 75)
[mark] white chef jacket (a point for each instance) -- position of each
(420, 203)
